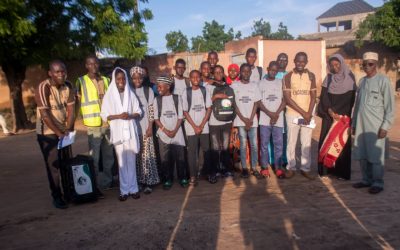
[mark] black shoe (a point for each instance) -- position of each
(135, 195)
(375, 190)
(212, 179)
(99, 194)
(360, 185)
(59, 203)
(245, 173)
(123, 197)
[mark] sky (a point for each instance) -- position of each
(189, 16)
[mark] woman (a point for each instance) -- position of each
(120, 108)
(336, 100)
(146, 161)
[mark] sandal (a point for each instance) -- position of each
(167, 185)
(265, 172)
(184, 183)
(212, 179)
(257, 174)
(193, 181)
(147, 190)
(123, 197)
(135, 195)
(280, 174)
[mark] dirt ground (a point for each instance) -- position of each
(235, 214)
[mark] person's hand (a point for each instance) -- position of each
(124, 116)
(272, 122)
(307, 117)
(169, 133)
(149, 132)
(197, 130)
(382, 133)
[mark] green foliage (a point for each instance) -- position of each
(213, 39)
(383, 26)
(282, 33)
(35, 31)
(238, 35)
(176, 41)
(261, 28)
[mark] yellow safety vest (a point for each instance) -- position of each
(90, 104)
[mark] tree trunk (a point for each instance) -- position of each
(15, 76)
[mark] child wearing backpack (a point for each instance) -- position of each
(168, 116)
(146, 162)
(220, 124)
(180, 82)
(256, 72)
(197, 110)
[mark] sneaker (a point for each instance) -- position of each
(360, 185)
(245, 173)
(256, 174)
(307, 175)
(184, 183)
(147, 190)
(167, 185)
(135, 195)
(123, 197)
(265, 172)
(99, 194)
(59, 203)
(375, 190)
(280, 173)
(289, 174)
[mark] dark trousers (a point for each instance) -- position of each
(172, 155)
(194, 144)
(51, 155)
(220, 136)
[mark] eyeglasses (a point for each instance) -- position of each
(368, 64)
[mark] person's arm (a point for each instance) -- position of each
(288, 96)
(71, 111)
(239, 114)
(189, 119)
(313, 97)
(389, 107)
(206, 118)
(180, 119)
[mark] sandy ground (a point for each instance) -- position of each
(236, 214)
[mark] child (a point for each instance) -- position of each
(146, 162)
(120, 106)
(223, 102)
(197, 110)
(233, 74)
(180, 82)
(256, 72)
(247, 98)
(205, 68)
(168, 116)
(212, 58)
(271, 120)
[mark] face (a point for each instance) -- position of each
(137, 80)
(180, 69)
(205, 70)
(213, 59)
(369, 67)
(120, 81)
(245, 74)
(283, 61)
(272, 70)
(218, 74)
(163, 88)
(251, 58)
(195, 78)
(92, 65)
(300, 63)
(334, 66)
(58, 73)
(233, 74)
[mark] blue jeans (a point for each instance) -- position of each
(252, 134)
(277, 137)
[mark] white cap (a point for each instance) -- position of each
(370, 56)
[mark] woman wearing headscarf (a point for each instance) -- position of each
(146, 162)
(336, 101)
(120, 107)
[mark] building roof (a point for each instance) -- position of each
(348, 8)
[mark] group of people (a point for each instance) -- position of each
(195, 117)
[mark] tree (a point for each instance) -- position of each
(176, 41)
(238, 35)
(213, 39)
(36, 31)
(261, 28)
(382, 26)
(282, 33)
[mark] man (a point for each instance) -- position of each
(256, 71)
(91, 89)
(180, 82)
(282, 60)
(55, 118)
(373, 117)
(212, 58)
(300, 94)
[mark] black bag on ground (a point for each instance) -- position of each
(78, 179)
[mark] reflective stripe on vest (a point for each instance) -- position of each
(90, 105)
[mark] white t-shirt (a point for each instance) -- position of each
(213, 121)
(255, 75)
(271, 97)
(180, 86)
(169, 118)
(197, 110)
(143, 121)
(245, 97)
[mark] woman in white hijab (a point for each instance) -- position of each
(120, 107)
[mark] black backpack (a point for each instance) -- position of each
(259, 72)
(224, 109)
(189, 95)
(159, 104)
